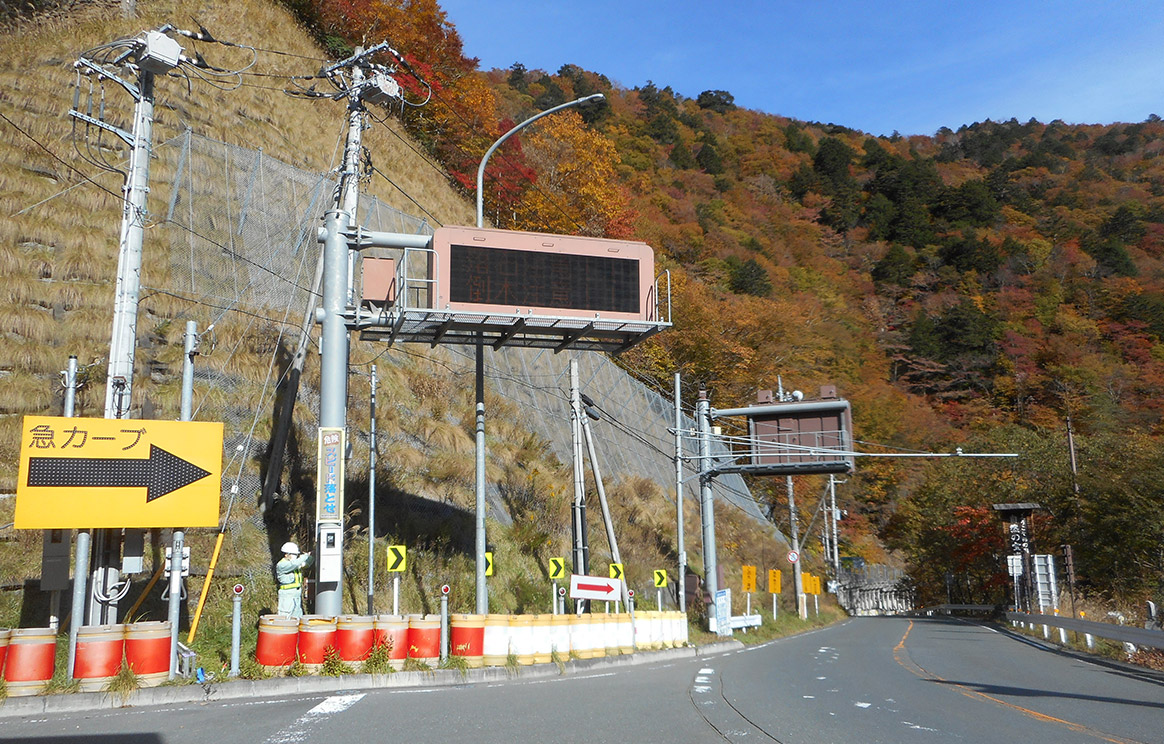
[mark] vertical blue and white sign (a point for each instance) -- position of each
(329, 501)
(723, 612)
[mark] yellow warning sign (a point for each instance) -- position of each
(749, 582)
(87, 473)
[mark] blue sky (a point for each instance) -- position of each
(910, 66)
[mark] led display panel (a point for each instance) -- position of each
(503, 271)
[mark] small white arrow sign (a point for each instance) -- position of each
(595, 587)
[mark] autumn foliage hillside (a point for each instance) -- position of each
(974, 288)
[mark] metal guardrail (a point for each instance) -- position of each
(1121, 633)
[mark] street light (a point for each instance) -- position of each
(515, 130)
(482, 594)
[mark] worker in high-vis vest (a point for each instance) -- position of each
(289, 575)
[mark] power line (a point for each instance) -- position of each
(55, 157)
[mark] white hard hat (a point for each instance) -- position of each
(290, 547)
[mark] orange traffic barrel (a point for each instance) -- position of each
(316, 636)
(354, 636)
(30, 662)
(100, 649)
(497, 641)
(4, 634)
(147, 651)
(278, 640)
(392, 630)
(424, 638)
(467, 638)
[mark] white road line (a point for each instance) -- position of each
(862, 705)
(301, 730)
(705, 670)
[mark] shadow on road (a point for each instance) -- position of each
(1023, 692)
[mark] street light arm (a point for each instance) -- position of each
(515, 130)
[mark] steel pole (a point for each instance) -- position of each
(581, 560)
(235, 632)
(123, 339)
(479, 475)
(178, 539)
(334, 340)
(81, 569)
(836, 556)
(610, 538)
(372, 495)
(679, 529)
(706, 498)
(797, 578)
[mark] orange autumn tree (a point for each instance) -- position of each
(576, 191)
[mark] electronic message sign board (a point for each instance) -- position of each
(524, 273)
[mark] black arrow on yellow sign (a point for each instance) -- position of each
(488, 563)
(159, 474)
(616, 570)
(660, 577)
(557, 568)
(397, 557)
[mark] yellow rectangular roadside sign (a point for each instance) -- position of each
(774, 580)
(749, 582)
(86, 473)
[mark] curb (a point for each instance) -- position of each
(284, 686)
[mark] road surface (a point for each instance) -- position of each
(868, 680)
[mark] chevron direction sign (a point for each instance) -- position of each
(88, 473)
(594, 587)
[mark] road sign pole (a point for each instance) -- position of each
(659, 599)
(177, 540)
(395, 595)
(80, 592)
(554, 597)
(81, 569)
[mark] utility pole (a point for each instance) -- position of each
(834, 518)
(340, 237)
(706, 498)
(581, 546)
(615, 557)
(681, 581)
(797, 577)
(334, 351)
(155, 53)
(372, 495)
